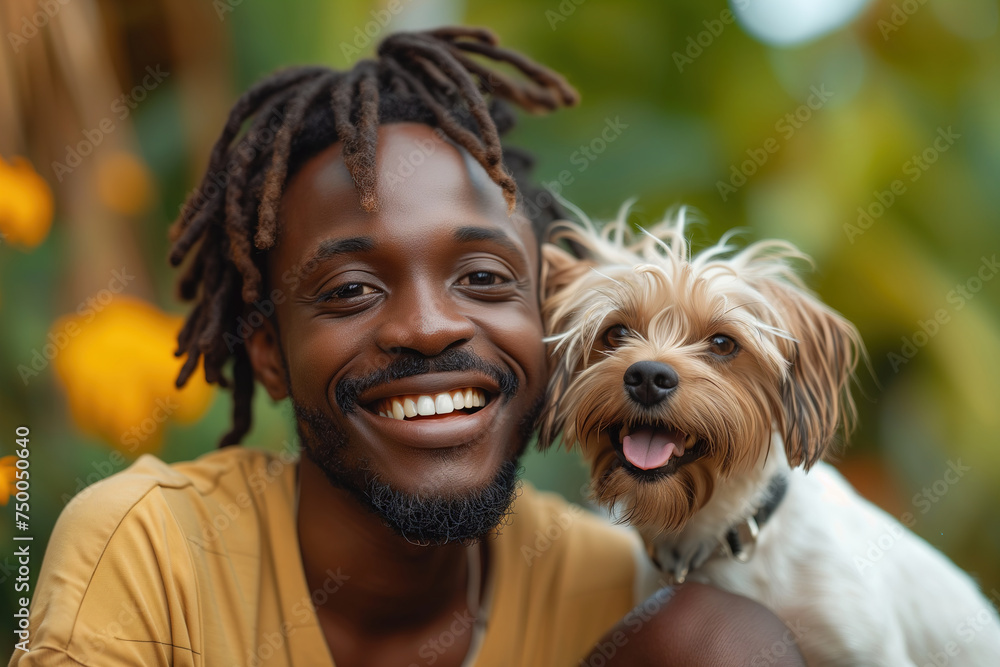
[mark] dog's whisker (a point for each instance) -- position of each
(577, 211)
(742, 305)
(604, 275)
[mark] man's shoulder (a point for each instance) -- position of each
(551, 534)
(146, 534)
(193, 497)
(149, 481)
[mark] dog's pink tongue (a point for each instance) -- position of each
(649, 448)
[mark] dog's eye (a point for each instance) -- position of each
(615, 336)
(723, 346)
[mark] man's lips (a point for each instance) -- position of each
(421, 411)
(430, 384)
(444, 431)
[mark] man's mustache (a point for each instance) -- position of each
(410, 364)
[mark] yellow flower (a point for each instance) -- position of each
(123, 183)
(7, 478)
(118, 370)
(25, 204)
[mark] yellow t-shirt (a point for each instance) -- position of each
(198, 563)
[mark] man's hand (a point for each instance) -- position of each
(693, 625)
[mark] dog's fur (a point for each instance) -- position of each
(855, 586)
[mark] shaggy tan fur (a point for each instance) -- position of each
(790, 376)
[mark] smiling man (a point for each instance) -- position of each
(381, 232)
(410, 351)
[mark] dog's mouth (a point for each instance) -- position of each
(650, 451)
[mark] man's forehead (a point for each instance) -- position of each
(415, 162)
(422, 178)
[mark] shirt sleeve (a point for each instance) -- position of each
(115, 586)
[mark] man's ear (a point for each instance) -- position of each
(267, 361)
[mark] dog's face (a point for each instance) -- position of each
(674, 372)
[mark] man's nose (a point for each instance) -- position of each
(425, 319)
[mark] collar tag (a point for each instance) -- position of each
(741, 541)
(680, 573)
(738, 543)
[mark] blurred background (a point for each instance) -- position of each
(865, 131)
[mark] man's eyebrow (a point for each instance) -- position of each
(470, 234)
(333, 247)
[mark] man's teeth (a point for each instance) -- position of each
(403, 407)
(409, 408)
(443, 404)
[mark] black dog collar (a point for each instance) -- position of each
(739, 542)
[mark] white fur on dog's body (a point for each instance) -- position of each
(816, 565)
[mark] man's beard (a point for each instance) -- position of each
(420, 518)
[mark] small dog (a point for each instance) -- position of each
(701, 390)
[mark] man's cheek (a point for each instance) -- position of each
(519, 332)
(313, 360)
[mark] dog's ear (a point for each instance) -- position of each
(553, 420)
(550, 423)
(816, 398)
(559, 269)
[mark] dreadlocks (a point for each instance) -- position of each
(426, 77)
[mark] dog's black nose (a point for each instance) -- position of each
(649, 382)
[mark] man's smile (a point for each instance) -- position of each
(418, 406)
(431, 410)
(455, 429)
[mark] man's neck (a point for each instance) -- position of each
(391, 586)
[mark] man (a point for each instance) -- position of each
(380, 231)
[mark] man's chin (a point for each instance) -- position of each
(439, 519)
(428, 518)
(422, 516)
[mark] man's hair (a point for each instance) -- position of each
(425, 77)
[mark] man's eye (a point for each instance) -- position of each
(348, 291)
(483, 278)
